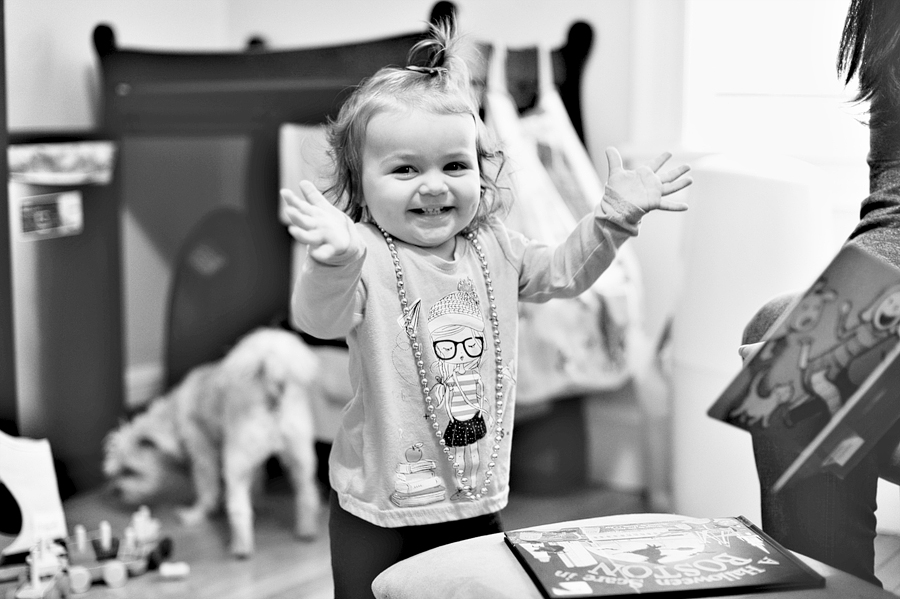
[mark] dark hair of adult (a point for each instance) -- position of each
(870, 49)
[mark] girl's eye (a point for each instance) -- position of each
(456, 166)
(403, 170)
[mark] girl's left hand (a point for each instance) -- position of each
(645, 187)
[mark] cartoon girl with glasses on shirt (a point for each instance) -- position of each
(457, 336)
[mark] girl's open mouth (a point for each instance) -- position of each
(433, 210)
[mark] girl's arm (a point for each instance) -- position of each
(570, 268)
(326, 300)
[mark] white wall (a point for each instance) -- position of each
(51, 68)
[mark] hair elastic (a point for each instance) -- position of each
(432, 71)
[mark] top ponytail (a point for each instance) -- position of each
(436, 79)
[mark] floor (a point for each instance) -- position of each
(284, 567)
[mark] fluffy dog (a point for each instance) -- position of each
(224, 420)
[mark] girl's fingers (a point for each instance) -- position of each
(613, 159)
(675, 173)
(660, 160)
(311, 194)
(300, 234)
(671, 206)
(677, 185)
(300, 219)
(299, 213)
(292, 201)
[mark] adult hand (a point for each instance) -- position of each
(748, 351)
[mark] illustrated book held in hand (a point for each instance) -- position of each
(658, 553)
(825, 381)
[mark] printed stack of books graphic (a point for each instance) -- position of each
(416, 481)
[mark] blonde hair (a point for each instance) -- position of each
(439, 84)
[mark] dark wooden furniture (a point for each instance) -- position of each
(227, 96)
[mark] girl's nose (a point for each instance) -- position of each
(432, 184)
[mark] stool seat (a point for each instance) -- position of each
(485, 567)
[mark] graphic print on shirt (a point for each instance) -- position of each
(416, 481)
(456, 331)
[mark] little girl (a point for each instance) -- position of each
(422, 278)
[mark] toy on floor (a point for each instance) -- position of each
(145, 549)
(95, 559)
(174, 570)
(45, 574)
(113, 560)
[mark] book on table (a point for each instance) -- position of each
(658, 553)
(825, 381)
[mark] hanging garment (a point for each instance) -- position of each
(572, 171)
(566, 346)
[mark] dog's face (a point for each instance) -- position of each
(143, 458)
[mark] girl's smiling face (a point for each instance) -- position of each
(420, 177)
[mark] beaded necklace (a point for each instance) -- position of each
(420, 364)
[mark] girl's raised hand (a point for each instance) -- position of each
(329, 233)
(645, 187)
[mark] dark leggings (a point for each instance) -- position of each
(821, 516)
(360, 551)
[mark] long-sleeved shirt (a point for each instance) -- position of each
(387, 466)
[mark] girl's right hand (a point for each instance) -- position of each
(329, 233)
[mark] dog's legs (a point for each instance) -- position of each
(299, 458)
(205, 473)
(243, 457)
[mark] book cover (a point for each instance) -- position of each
(676, 555)
(818, 383)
